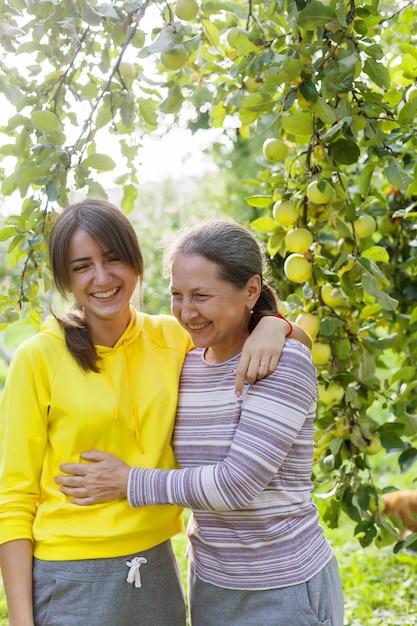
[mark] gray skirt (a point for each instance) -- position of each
(96, 592)
(318, 601)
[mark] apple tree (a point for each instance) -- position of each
(317, 102)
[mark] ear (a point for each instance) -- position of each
(253, 288)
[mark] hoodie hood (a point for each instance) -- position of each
(122, 347)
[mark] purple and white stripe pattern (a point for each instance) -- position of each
(245, 472)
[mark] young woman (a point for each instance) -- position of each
(102, 376)
(257, 553)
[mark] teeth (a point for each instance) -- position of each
(198, 326)
(106, 294)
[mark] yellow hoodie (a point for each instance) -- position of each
(51, 411)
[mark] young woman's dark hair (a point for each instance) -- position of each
(235, 251)
(113, 232)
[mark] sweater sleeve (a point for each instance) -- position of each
(273, 413)
(23, 438)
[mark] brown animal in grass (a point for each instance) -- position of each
(403, 505)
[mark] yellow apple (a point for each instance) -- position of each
(298, 240)
(186, 9)
(333, 296)
(285, 213)
(321, 353)
(274, 150)
(365, 226)
(317, 195)
(310, 323)
(174, 58)
(332, 394)
(297, 268)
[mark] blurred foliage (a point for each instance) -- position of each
(317, 105)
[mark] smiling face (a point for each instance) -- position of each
(102, 284)
(213, 311)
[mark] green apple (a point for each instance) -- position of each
(232, 35)
(310, 323)
(285, 213)
(127, 71)
(252, 84)
(297, 268)
(298, 240)
(174, 58)
(332, 394)
(274, 150)
(365, 226)
(411, 93)
(317, 195)
(374, 446)
(321, 353)
(341, 429)
(186, 9)
(333, 296)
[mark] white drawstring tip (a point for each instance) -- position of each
(134, 571)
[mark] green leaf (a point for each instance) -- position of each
(211, 32)
(314, 14)
(324, 111)
(407, 459)
(130, 193)
(100, 162)
(370, 284)
(95, 189)
(344, 151)
(404, 373)
(370, 310)
(28, 174)
(45, 121)
(365, 532)
(230, 7)
(244, 44)
(396, 175)
(297, 123)
(366, 178)
(413, 316)
(408, 113)
(260, 202)
(309, 91)
(264, 225)
(377, 254)
(104, 116)
(148, 113)
(6, 233)
(275, 242)
(377, 72)
(127, 110)
(90, 15)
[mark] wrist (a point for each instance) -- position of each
(290, 326)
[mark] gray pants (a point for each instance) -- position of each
(95, 592)
(318, 601)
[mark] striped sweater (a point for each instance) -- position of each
(245, 472)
